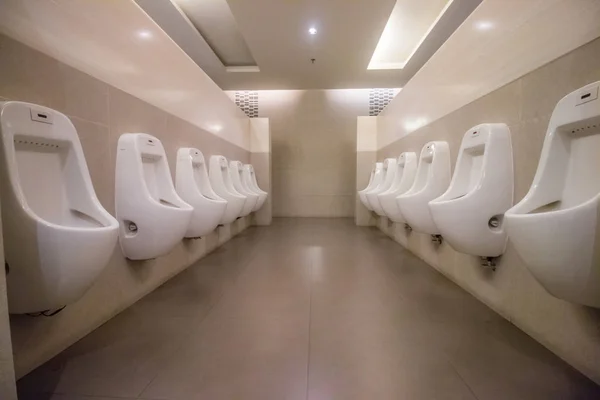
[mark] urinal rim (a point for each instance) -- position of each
(514, 214)
(111, 222)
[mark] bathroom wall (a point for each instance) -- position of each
(8, 389)
(101, 113)
(569, 330)
(313, 136)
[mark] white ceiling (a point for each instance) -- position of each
(276, 33)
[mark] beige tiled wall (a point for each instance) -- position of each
(314, 150)
(101, 114)
(570, 330)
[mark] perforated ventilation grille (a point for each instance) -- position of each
(247, 102)
(378, 100)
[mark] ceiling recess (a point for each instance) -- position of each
(215, 22)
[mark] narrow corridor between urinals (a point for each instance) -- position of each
(299, 200)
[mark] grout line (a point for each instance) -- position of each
(310, 290)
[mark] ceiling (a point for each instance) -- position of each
(275, 33)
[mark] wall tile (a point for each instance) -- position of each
(28, 75)
(85, 97)
(95, 141)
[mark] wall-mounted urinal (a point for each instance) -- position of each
(389, 174)
(249, 178)
(470, 214)
(221, 184)
(236, 168)
(555, 228)
(433, 177)
(153, 218)
(57, 236)
(406, 171)
(193, 186)
(374, 181)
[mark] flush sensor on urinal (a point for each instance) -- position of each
(469, 214)
(193, 186)
(555, 227)
(57, 236)
(152, 216)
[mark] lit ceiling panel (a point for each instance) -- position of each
(409, 24)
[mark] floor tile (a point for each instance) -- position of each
(308, 309)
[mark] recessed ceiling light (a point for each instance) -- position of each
(144, 34)
(312, 31)
(484, 25)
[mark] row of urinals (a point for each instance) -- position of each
(554, 228)
(57, 235)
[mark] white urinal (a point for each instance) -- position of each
(249, 178)
(433, 177)
(389, 173)
(374, 181)
(236, 169)
(362, 193)
(406, 171)
(470, 214)
(153, 218)
(555, 228)
(57, 236)
(221, 184)
(193, 186)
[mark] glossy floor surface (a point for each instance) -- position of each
(307, 309)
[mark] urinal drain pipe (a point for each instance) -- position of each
(437, 239)
(488, 263)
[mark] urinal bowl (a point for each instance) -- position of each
(390, 207)
(193, 186)
(373, 200)
(468, 228)
(155, 236)
(416, 212)
(57, 236)
(564, 260)
(58, 268)
(555, 227)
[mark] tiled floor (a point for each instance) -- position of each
(307, 309)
